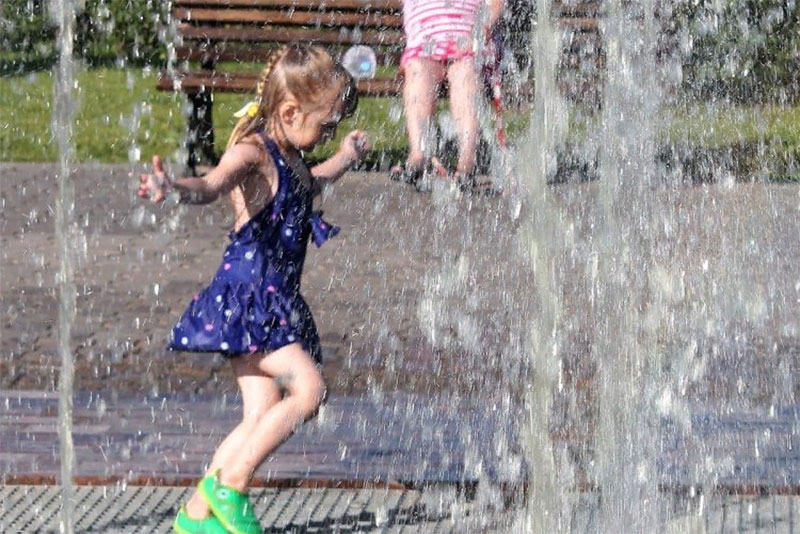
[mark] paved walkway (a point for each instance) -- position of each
(373, 465)
(390, 465)
(397, 440)
(745, 451)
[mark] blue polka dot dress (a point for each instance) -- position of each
(253, 302)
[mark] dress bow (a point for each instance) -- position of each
(322, 230)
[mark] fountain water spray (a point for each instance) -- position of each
(64, 13)
(596, 254)
(542, 239)
(625, 346)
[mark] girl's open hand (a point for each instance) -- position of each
(355, 145)
(154, 186)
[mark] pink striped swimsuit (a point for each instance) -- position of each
(439, 29)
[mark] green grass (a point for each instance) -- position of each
(117, 111)
(759, 139)
(120, 117)
(719, 126)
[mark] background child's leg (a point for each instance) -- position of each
(463, 80)
(259, 394)
(422, 79)
(304, 390)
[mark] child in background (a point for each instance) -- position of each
(252, 311)
(439, 43)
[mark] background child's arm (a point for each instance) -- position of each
(353, 147)
(234, 166)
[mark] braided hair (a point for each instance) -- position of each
(300, 71)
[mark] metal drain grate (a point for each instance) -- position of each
(151, 510)
(716, 514)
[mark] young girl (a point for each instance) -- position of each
(439, 44)
(252, 311)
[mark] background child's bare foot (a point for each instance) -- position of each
(405, 173)
(439, 169)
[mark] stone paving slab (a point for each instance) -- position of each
(398, 439)
(744, 451)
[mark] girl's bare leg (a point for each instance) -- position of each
(422, 79)
(304, 388)
(463, 80)
(259, 394)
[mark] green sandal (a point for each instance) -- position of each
(186, 525)
(232, 508)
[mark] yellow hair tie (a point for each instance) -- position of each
(251, 109)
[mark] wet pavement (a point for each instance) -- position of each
(398, 441)
(423, 332)
(743, 452)
(399, 464)
(138, 265)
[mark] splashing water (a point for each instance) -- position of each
(64, 11)
(542, 238)
(635, 281)
(629, 359)
(597, 308)
(640, 289)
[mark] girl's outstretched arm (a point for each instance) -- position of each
(352, 149)
(234, 166)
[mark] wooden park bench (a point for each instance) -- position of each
(211, 32)
(215, 31)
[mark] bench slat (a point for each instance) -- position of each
(251, 55)
(306, 18)
(284, 35)
(589, 8)
(579, 23)
(371, 5)
(193, 82)
(249, 30)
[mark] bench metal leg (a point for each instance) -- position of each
(200, 135)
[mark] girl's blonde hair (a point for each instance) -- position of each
(303, 72)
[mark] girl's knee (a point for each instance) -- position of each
(310, 394)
